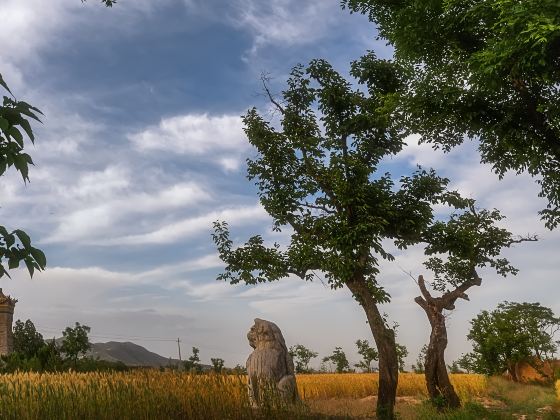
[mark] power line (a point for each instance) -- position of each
(115, 336)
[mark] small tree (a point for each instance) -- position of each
(192, 364)
(75, 342)
(368, 353)
(239, 370)
(27, 341)
(512, 333)
(402, 353)
(455, 367)
(419, 367)
(338, 358)
(217, 364)
(302, 356)
(457, 248)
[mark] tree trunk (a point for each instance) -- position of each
(385, 341)
(439, 386)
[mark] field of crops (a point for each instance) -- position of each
(157, 395)
(360, 385)
(558, 390)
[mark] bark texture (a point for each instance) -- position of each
(385, 341)
(439, 386)
(270, 367)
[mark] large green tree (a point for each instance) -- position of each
(318, 177)
(481, 69)
(512, 333)
(27, 340)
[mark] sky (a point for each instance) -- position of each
(142, 148)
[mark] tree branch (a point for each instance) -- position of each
(265, 79)
(424, 290)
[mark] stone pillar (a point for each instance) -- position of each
(7, 305)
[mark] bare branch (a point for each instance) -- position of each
(423, 289)
(316, 207)
(519, 239)
(265, 79)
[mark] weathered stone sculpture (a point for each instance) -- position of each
(270, 367)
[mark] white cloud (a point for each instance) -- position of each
(188, 227)
(220, 139)
(91, 223)
(193, 134)
(285, 22)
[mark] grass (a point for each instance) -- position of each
(500, 400)
(172, 395)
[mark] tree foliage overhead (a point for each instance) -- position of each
(512, 333)
(15, 126)
(487, 69)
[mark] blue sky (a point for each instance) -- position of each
(142, 149)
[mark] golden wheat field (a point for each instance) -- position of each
(360, 385)
(558, 390)
(152, 394)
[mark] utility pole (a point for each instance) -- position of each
(179, 348)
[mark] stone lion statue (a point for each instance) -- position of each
(270, 367)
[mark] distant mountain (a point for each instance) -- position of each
(129, 353)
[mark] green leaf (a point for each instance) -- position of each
(39, 257)
(24, 238)
(3, 272)
(13, 262)
(4, 124)
(27, 127)
(30, 266)
(14, 132)
(5, 85)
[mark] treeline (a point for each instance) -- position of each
(32, 353)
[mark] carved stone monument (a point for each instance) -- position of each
(7, 305)
(270, 367)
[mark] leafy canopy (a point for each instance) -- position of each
(27, 340)
(318, 175)
(486, 69)
(75, 341)
(467, 241)
(513, 332)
